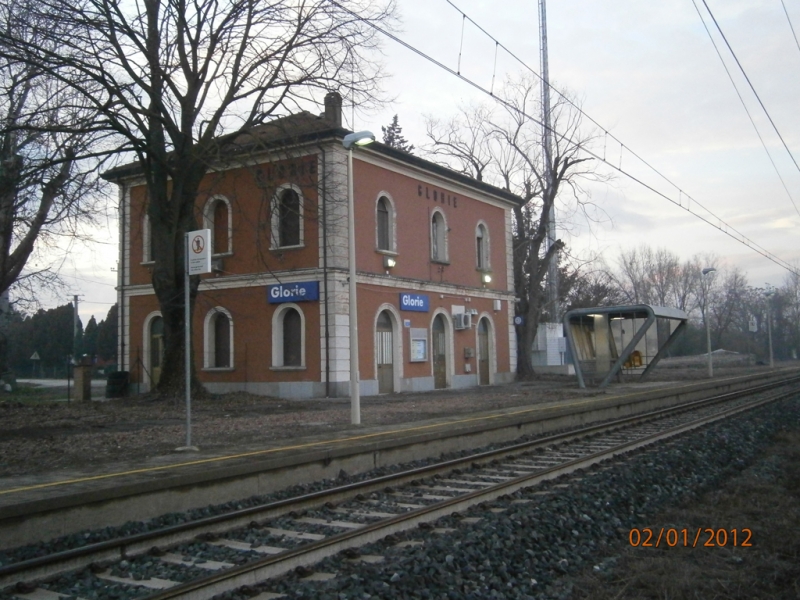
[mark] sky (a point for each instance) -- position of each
(648, 73)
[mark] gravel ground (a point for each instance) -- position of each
(539, 549)
(49, 437)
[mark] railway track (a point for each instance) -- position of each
(206, 557)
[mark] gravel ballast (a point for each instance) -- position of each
(531, 549)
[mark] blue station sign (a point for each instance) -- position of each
(301, 291)
(415, 302)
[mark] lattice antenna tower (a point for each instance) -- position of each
(552, 272)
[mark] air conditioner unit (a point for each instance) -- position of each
(462, 320)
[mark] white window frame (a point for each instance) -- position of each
(147, 378)
(487, 264)
(392, 249)
(444, 254)
(275, 221)
(147, 246)
(208, 223)
(277, 338)
(209, 341)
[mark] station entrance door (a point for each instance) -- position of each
(483, 352)
(384, 353)
(439, 353)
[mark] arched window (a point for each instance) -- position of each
(217, 217)
(438, 237)
(292, 339)
(384, 224)
(153, 338)
(288, 336)
(218, 339)
(482, 247)
(148, 253)
(288, 218)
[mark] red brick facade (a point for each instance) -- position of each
(293, 346)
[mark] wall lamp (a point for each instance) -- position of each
(389, 262)
(486, 279)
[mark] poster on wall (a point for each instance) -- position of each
(419, 345)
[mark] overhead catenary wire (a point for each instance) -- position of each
(786, 12)
(596, 124)
(729, 230)
(746, 110)
(750, 83)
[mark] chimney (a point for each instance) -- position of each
(333, 108)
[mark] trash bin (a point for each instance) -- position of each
(117, 384)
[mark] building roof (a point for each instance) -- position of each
(304, 128)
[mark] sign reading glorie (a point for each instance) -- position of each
(415, 302)
(301, 291)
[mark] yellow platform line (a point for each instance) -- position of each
(313, 444)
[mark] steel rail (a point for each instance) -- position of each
(137, 544)
(266, 568)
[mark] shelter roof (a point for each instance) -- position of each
(630, 311)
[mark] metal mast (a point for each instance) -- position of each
(552, 272)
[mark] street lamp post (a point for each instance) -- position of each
(768, 295)
(360, 138)
(705, 272)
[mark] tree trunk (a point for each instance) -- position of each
(170, 220)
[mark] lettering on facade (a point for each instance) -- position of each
(283, 171)
(303, 291)
(429, 193)
(414, 302)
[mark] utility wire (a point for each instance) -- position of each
(611, 135)
(790, 24)
(749, 116)
(622, 146)
(723, 226)
(741, 68)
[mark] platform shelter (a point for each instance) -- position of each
(607, 341)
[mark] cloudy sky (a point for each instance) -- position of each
(648, 73)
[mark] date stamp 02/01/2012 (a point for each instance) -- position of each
(705, 537)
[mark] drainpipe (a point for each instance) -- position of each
(121, 308)
(325, 273)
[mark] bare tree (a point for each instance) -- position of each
(727, 303)
(503, 145)
(48, 187)
(181, 80)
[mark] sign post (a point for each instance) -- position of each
(198, 261)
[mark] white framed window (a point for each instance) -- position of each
(148, 255)
(482, 247)
(288, 337)
(218, 339)
(287, 217)
(218, 217)
(385, 234)
(438, 237)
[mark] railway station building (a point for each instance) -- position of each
(433, 259)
